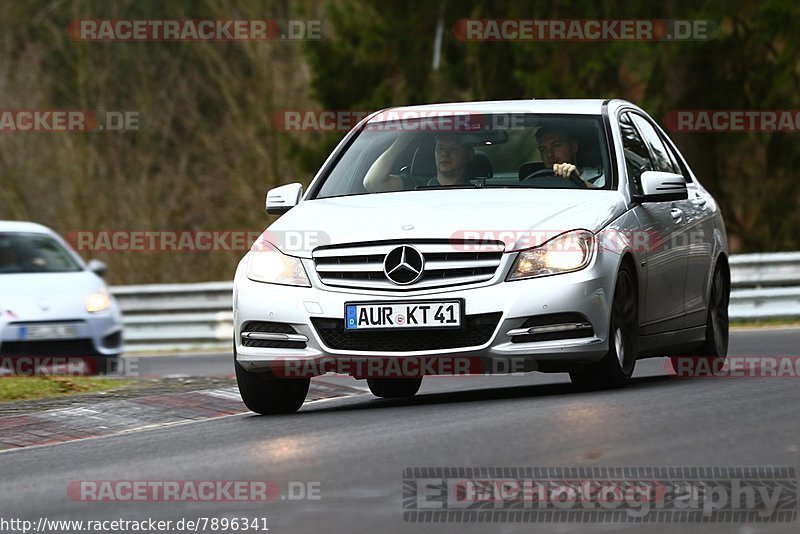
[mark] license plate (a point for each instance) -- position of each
(48, 331)
(407, 315)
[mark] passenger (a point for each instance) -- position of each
(452, 154)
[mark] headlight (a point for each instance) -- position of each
(270, 265)
(566, 253)
(98, 301)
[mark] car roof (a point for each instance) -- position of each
(587, 106)
(24, 226)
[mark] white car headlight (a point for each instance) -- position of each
(270, 265)
(98, 301)
(566, 253)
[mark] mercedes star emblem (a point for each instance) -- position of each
(403, 265)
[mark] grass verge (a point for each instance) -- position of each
(771, 323)
(16, 388)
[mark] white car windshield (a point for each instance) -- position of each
(33, 253)
(473, 151)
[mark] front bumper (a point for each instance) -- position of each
(94, 335)
(587, 292)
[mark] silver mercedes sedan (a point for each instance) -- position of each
(483, 237)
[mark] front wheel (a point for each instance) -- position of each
(266, 394)
(390, 388)
(616, 367)
(716, 344)
(714, 350)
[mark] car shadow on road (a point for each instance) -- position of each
(369, 402)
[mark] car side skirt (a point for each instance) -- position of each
(670, 343)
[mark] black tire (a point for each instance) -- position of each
(715, 347)
(266, 394)
(616, 366)
(392, 388)
(717, 322)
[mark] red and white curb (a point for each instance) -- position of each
(148, 411)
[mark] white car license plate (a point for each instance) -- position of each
(48, 331)
(408, 315)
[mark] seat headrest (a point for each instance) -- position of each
(479, 166)
(423, 162)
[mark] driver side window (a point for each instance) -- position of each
(661, 158)
(637, 157)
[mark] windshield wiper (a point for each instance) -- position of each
(456, 186)
(479, 184)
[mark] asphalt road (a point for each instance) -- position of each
(356, 448)
(743, 343)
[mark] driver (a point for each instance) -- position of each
(453, 153)
(558, 149)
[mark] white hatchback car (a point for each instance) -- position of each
(550, 235)
(55, 310)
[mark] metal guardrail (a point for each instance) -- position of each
(765, 286)
(177, 317)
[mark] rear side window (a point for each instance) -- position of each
(662, 160)
(637, 157)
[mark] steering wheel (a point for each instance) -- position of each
(544, 173)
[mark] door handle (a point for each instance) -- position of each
(677, 215)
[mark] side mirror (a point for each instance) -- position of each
(283, 198)
(662, 187)
(98, 267)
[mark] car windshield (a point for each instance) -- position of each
(34, 253)
(473, 151)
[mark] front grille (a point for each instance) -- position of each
(477, 330)
(64, 347)
(447, 263)
(553, 319)
(268, 327)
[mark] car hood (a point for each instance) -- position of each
(46, 296)
(508, 215)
